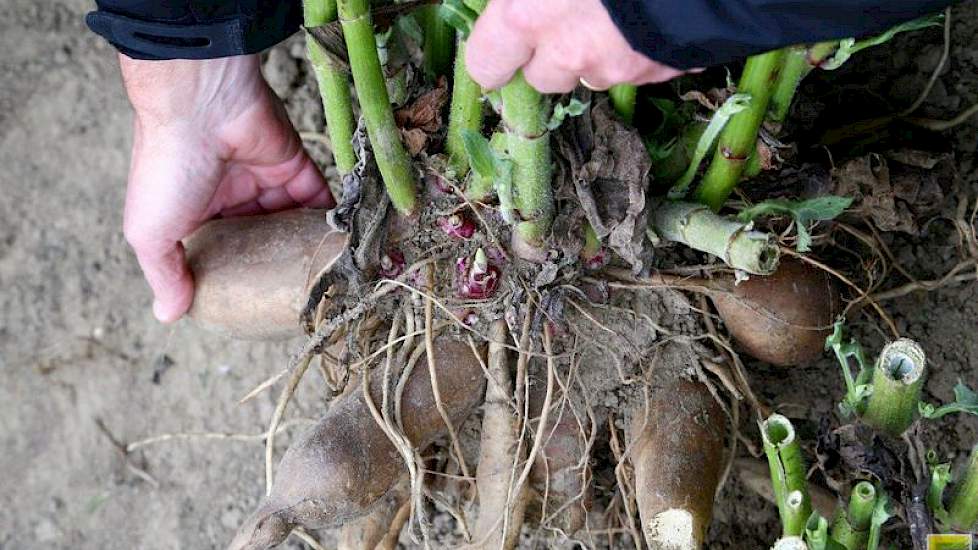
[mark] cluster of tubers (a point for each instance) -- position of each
(253, 278)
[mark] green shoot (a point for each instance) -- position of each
(787, 467)
(803, 212)
(882, 513)
(965, 401)
(858, 387)
(940, 477)
(481, 157)
(850, 46)
(733, 105)
(574, 108)
(817, 534)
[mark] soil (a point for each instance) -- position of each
(87, 368)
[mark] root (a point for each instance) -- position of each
(160, 438)
(305, 537)
(432, 371)
(498, 502)
(370, 531)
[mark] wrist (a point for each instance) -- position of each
(203, 93)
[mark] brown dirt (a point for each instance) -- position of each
(78, 343)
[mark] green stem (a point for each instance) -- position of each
(897, 380)
(623, 101)
(964, 505)
(787, 473)
(739, 137)
(798, 62)
(392, 159)
(439, 44)
(465, 113)
(525, 115)
(851, 528)
(696, 226)
(334, 87)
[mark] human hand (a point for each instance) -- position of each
(210, 138)
(556, 43)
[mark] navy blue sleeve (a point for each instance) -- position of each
(699, 33)
(194, 29)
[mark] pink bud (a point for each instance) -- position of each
(391, 264)
(457, 226)
(597, 260)
(476, 278)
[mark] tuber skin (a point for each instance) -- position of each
(561, 471)
(677, 453)
(784, 318)
(253, 273)
(338, 470)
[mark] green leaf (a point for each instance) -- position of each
(804, 212)
(574, 108)
(850, 46)
(733, 105)
(965, 401)
(458, 15)
(940, 476)
(482, 158)
(503, 185)
(882, 513)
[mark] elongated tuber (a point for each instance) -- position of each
(253, 273)
(338, 470)
(500, 504)
(677, 453)
(783, 318)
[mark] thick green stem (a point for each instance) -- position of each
(964, 505)
(392, 159)
(798, 62)
(696, 226)
(439, 43)
(851, 527)
(525, 115)
(623, 101)
(465, 113)
(787, 473)
(739, 137)
(334, 87)
(897, 380)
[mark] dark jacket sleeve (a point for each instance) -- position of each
(698, 33)
(194, 29)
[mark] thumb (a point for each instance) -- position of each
(165, 267)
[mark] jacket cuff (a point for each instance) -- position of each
(144, 30)
(699, 33)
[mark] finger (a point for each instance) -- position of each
(309, 187)
(656, 73)
(165, 269)
(249, 208)
(276, 199)
(496, 49)
(549, 78)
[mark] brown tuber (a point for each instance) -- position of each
(783, 318)
(253, 273)
(341, 468)
(677, 453)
